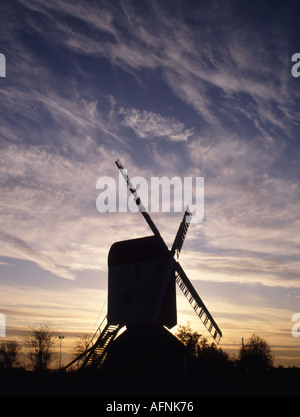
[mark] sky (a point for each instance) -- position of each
(171, 88)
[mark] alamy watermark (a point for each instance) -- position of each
(2, 65)
(296, 326)
(160, 194)
(296, 67)
(2, 325)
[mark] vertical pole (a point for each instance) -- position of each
(60, 342)
(243, 350)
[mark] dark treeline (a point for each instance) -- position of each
(146, 368)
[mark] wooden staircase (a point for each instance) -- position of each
(95, 353)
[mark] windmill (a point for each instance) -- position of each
(141, 286)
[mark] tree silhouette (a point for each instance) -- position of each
(39, 343)
(198, 346)
(8, 354)
(189, 338)
(81, 346)
(211, 354)
(256, 354)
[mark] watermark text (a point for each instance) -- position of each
(296, 326)
(161, 194)
(2, 325)
(2, 65)
(296, 67)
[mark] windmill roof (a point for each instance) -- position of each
(142, 249)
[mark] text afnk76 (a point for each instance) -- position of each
(172, 406)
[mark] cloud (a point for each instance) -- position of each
(48, 208)
(270, 270)
(147, 124)
(73, 311)
(60, 135)
(199, 65)
(22, 249)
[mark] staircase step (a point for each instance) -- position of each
(98, 352)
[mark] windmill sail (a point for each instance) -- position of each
(181, 233)
(195, 301)
(137, 199)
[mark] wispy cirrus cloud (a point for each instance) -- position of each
(198, 64)
(21, 249)
(148, 124)
(60, 121)
(271, 270)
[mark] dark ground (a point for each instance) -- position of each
(278, 382)
(152, 363)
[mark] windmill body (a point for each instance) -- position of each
(142, 275)
(135, 273)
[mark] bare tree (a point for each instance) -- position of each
(39, 343)
(81, 345)
(8, 354)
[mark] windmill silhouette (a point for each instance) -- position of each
(141, 286)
